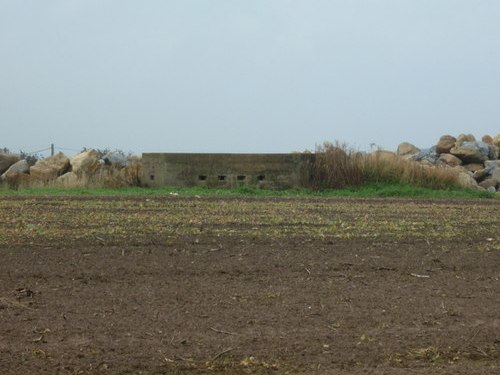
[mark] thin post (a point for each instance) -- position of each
(52, 149)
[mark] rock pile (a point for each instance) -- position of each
(88, 168)
(476, 162)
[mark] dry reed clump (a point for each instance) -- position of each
(113, 177)
(15, 181)
(337, 166)
(398, 170)
(106, 176)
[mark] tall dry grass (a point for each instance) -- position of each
(103, 177)
(383, 168)
(112, 177)
(338, 166)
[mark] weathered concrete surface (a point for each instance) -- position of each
(225, 170)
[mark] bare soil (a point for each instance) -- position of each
(266, 286)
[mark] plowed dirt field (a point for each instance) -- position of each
(173, 285)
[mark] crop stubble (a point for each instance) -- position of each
(248, 285)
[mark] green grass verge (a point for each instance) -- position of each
(365, 191)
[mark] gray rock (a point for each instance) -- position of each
(115, 158)
(473, 152)
(494, 163)
(486, 149)
(428, 154)
(489, 168)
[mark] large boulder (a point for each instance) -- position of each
(50, 168)
(86, 162)
(487, 139)
(480, 174)
(490, 167)
(486, 149)
(69, 179)
(473, 167)
(495, 174)
(406, 148)
(495, 143)
(492, 164)
(445, 144)
(427, 154)
(6, 160)
(488, 183)
(466, 181)
(450, 159)
(496, 140)
(464, 138)
(21, 166)
(473, 152)
(496, 151)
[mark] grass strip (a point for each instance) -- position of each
(370, 190)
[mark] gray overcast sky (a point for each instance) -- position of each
(246, 75)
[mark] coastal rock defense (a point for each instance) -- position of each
(477, 165)
(86, 169)
(476, 161)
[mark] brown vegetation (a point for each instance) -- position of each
(338, 166)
